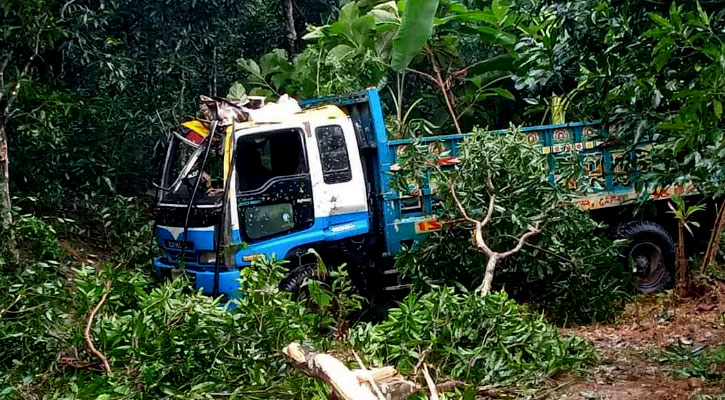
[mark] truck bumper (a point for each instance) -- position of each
(228, 280)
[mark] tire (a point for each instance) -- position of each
(650, 255)
(294, 281)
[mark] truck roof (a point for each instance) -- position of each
(323, 113)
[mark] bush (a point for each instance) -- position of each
(165, 340)
(481, 340)
(571, 279)
(169, 341)
(35, 321)
(37, 237)
(568, 268)
(696, 362)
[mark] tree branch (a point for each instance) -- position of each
(430, 383)
(4, 65)
(443, 88)
(478, 237)
(459, 205)
(425, 74)
(491, 201)
(534, 230)
(89, 324)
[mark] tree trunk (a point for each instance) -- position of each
(683, 277)
(488, 277)
(289, 20)
(714, 243)
(6, 215)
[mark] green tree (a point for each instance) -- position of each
(652, 71)
(29, 29)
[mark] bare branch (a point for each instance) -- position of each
(427, 75)
(478, 237)
(489, 181)
(431, 384)
(489, 212)
(380, 394)
(534, 230)
(460, 206)
(89, 324)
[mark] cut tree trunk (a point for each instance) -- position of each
(349, 384)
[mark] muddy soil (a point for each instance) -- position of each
(631, 362)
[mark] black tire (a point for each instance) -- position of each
(650, 255)
(294, 281)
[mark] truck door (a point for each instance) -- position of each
(337, 177)
(274, 187)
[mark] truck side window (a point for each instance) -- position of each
(333, 154)
(261, 158)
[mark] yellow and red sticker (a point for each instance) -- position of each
(428, 225)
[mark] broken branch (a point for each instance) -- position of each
(89, 325)
(369, 378)
(347, 384)
(430, 383)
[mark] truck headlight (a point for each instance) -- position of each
(207, 257)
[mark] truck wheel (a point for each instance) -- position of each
(650, 254)
(296, 277)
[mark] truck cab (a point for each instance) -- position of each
(287, 186)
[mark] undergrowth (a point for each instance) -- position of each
(696, 362)
(164, 340)
(480, 340)
(571, 271)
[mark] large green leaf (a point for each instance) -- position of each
(503, 62)
(415, 30)
(338, 53)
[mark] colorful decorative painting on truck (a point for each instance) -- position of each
(570, 137)
(608, 199)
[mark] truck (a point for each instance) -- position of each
(321, 178)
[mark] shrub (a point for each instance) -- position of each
(481, 340)
(35, 307)
(37, 237)
(568, 268)
(571, 279)
(696, 362)
(166, 340)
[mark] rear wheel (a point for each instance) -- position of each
(650, 255)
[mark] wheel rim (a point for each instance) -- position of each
(647, 263)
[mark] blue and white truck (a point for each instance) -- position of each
(320, 178)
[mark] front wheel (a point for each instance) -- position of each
(650, 255)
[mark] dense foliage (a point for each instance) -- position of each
(483, 341)
(86, 88)
(163, 340)
(99, 82)
(570, 268)
(649, 69)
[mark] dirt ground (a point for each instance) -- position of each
(631, 364)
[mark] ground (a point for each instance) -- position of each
(632, 362)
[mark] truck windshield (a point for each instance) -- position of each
(183, 166)
(261, 158)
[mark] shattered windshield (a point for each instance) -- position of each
(183, 166)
